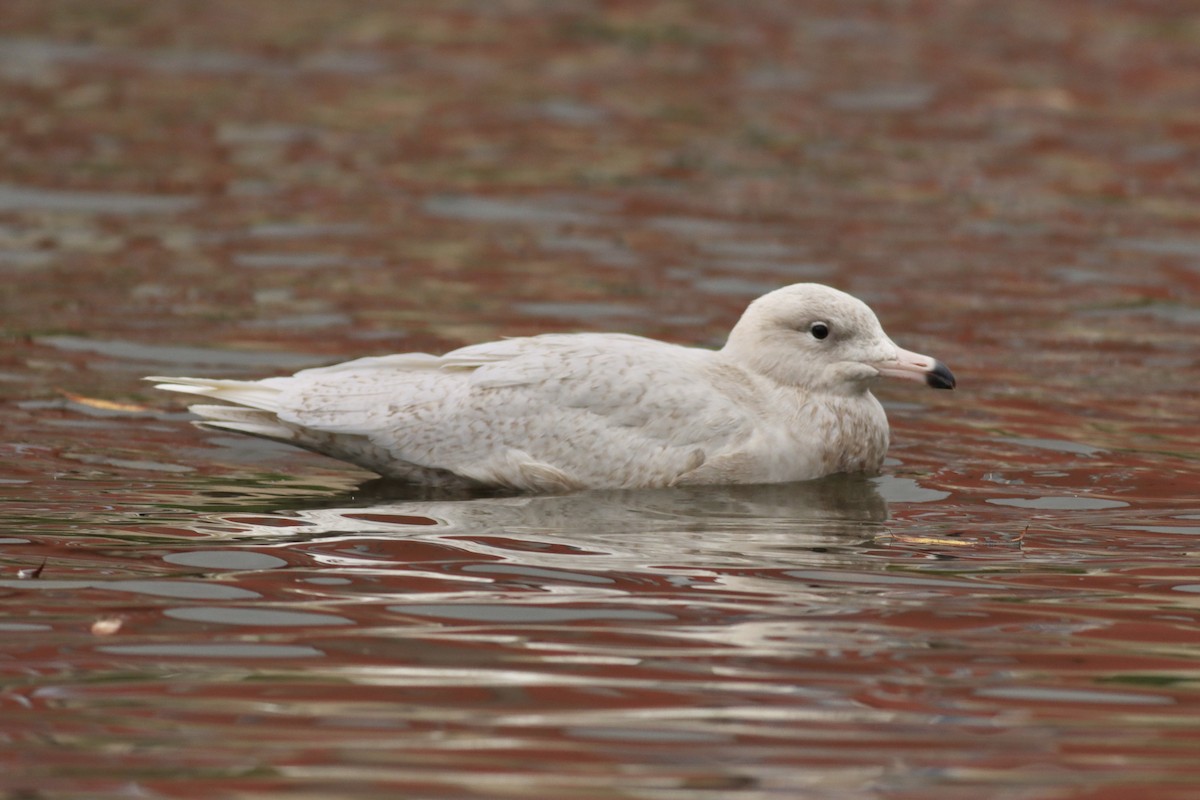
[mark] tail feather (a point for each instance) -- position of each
(231, 413)
(254, 421)
(256, 413)
(277, 433)
(255, 394)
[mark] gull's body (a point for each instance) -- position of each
(570, 411)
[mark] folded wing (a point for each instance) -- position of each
(553, 412)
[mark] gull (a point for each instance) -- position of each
(788, 398)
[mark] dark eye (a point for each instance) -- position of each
(819, 330)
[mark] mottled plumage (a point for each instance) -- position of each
(786, 399)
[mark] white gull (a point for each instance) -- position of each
(786, 399)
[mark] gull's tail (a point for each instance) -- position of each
(255, 409)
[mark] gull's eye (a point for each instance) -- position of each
(819, 330)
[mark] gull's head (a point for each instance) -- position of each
(818, 338)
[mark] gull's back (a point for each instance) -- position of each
(554, 412)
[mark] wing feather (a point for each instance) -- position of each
(555, 412)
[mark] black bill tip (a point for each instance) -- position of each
(939, 377)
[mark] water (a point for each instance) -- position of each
(898, 636)
(1011, 610)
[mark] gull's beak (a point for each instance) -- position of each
(916, 367)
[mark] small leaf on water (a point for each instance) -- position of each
(32, 572)
(106, 405)
(934, 540)
(107, 626)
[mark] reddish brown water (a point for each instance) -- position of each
(1011, 611)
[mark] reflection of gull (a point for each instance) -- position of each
(661, 522)
(786, 399)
